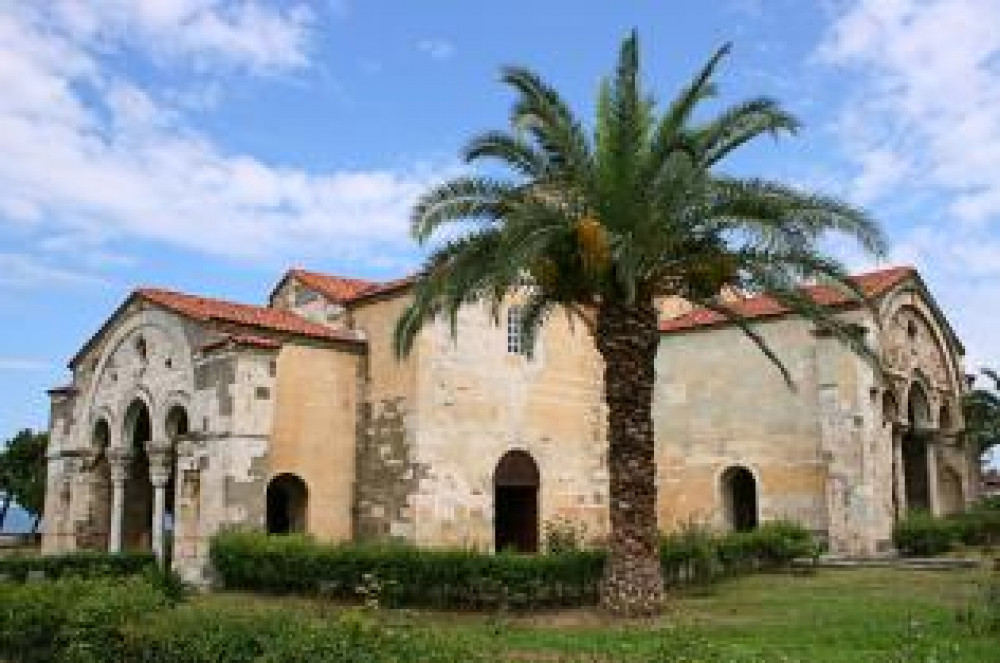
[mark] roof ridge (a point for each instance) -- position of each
(874, 282)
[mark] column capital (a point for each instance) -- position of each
(160, 453)
(118, 462)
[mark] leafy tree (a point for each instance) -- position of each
(982, 414)
(22, 473)
(599, 223)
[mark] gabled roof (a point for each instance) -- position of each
(873, 284)
(260, 317)
(207, 309)
(340, 289)
(337, 288)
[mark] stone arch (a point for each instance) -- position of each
(516, 484)
(740, 499)
(169, 359)
(137, 516)
(287, 504)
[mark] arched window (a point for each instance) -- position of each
(739, 497)
(176, 424)
(287, 502)
(515, 503)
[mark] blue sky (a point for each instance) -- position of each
(206, 145)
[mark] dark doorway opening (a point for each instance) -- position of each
(287, 498)
(515, 503)
(916, 478)
(739, 491)
(137, 519)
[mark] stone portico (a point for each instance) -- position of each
(186, 415)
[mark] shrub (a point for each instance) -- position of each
(922, 534)
(563, 535)
(91, 621)
(77, 564)
(398, 575)
(403, 575)
(71, 619)
(980, 526)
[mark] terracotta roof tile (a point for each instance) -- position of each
(336, 288)
(872, 284)
(204, 308)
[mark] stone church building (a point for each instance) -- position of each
(186, 415)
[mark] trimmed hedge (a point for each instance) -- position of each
(398, 575)
(921, 534)
(78, 564)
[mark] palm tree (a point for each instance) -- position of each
(601, 223)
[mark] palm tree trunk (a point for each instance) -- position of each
(627, 338)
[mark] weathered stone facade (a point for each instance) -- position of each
(188, 415)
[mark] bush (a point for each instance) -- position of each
(91, 621)
(71, 619)
(921, 534)
(77, 565)
(400, 575)
(397, 575)
(980, 526)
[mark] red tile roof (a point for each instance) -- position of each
(204, 308)
(341, 289)
(337, 288)
(872, 284)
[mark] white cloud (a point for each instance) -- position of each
(927, 109)
(922, 130)
(22, 271)
(240, 32)
(93, 158)
(438, 49)
(23, 364)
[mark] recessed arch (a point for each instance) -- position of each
(916, 475)
(137, 517)
(100, 503)
(287, 504)
(739, 498)
(516, 482)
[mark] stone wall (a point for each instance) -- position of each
(316, 420)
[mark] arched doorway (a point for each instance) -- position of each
(914, 447)
(515, 503)
(287, 503)
(739, 498)
(137, 516)
(100, 503)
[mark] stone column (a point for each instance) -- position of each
(932, 476)
(118, 461)
(159, 475)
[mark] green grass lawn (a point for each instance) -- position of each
(848, 616)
